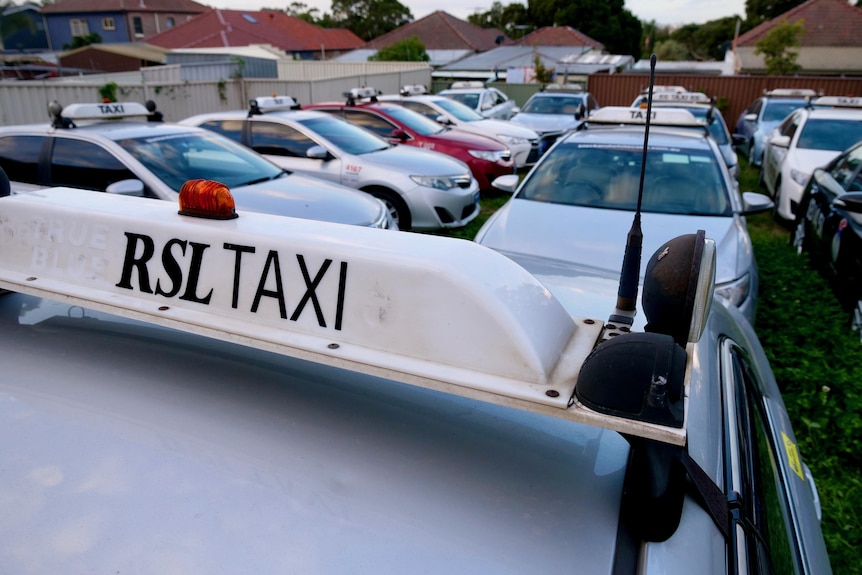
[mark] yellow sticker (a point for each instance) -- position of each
(792, 456)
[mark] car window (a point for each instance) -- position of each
(716, 126)
(789, 125)
(228, 128)
(80, 164)
(776, 111)
(755, 109)
(459, 110)
(19, 157)
(771, 543)
(846, 171)
(604, 176)
(824, 134)
(421, 108)
(370, 121)
(350, 138)
(177, 158)
(279, 140)
(416, 122)
(471, 100)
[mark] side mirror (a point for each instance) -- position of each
(507, 183)
(850, 202)
(749, 118)
(738, 140)
(399, 134)
(317, 153)
(129, 187)
(442, 119)
(755, 203)
(780, 141)
(516, 110)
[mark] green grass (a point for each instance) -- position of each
(817, 361)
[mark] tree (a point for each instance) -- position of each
(85, 40)
(757, 11)
(368, 19)
(303, 12)
(775, 47)
(512, 19)
(604, 20)
(709, 40)
(408, 50)
(672, 51)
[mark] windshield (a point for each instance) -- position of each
(568, 105)
(469, 99)
(716, 126)
(414, 120)
(836, 135)
(349, 137)
(177, 158)
(676, 181)
(777, 111)
(459, 110)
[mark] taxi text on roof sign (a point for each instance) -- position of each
(435, 312)
(660, 116)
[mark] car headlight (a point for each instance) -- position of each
(490, 155)
(800, 178)
(512, 140)
(735, 291)
(436, 182)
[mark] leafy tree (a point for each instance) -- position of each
(607, 21)
(368, 19)
(512, 18)
(12, 23)
(758, 11)
(408, 50)
(302, 11)
(85, 40)
(775, 47)
(707, 41)
(672, 51)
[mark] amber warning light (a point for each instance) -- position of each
(207, 199)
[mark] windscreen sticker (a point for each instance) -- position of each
(792, 456)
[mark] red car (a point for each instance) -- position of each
(486, 157)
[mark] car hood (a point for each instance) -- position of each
(300, 196)
(544, 123)
(465, 139)
(596, 237)
(416, 161)
(809, 160)
(493, 127)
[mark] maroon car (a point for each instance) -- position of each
(486, 157)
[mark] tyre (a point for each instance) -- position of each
(776, 215)
(751, 155)
(797, 236)
(397, 208)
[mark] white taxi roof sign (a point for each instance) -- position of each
(681, 97)
(362, 92)
(107, 110)
(429, 311)
(664, 89)
(790, 92)
(838, 101)
(272, 103)
(465, 84)
(413, 90)
(637, 116)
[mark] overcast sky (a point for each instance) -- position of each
(662, 11)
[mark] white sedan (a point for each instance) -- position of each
(490, 102)
(807, 139)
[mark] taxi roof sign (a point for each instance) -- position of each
(108, 110)
(838, 101)
(272, 103)
(637, 116)
(344, 296)
(790, 92)
(681, 97)
(413, 90)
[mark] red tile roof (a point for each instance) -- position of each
(828, 23)
(172, 6)
(558, 36)
(442, 31)
(242, 28)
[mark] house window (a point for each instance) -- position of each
(170, 22)
(138, 26)
(108, 24)
(79, 27)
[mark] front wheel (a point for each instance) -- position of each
(797, 237)
(398, 210)
(751, 155)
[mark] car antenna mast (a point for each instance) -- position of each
(627, 294)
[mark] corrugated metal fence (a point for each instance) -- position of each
(26, 102)
(733, 93)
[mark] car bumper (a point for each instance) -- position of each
(432, 209)
(486, 172)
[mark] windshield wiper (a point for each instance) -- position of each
(266, 178)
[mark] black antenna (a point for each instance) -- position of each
(627, 294)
